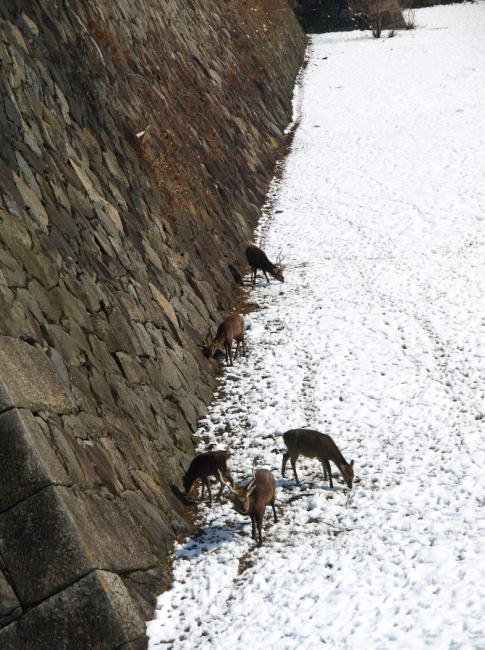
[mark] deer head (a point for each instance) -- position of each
(348, 473)
(240, 495)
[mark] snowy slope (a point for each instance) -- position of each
(377, 338)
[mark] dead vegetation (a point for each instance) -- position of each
(187, 163)
(409, 18)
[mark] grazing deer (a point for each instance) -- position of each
(210, 463)
(253, 498)
(258, 261)
(230, 329)
(313, 444)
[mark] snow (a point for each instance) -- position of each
(377, 338)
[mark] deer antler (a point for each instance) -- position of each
(250, 487)
(279, 258)
(226, 482)
(254, 468)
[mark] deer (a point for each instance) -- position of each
(258, 260)
(209, 463)
(313, 444)
(230, 329)
(253, 498)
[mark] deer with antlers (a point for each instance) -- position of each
(258, 261)
(253, 498)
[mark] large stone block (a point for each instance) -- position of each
(109, 531)
(95, 613)
(9, 603)
(40, 544)
(27, 379)
(28, 461)
(58, 535)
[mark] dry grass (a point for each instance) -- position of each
(409, 18)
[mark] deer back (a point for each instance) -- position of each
(209, 463)
(264, 487)
(260, 491)
(254, 496)
(230, 329)
(256, 257)
(313, 444)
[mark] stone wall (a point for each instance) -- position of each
(138, 140)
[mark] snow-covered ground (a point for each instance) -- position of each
(377, 337)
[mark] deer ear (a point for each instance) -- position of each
(351, 463)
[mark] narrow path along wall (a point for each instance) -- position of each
(376, 338)
(138, 140)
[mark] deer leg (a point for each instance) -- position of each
(325, 473)
(283, 466)
(229, 347)
(265, 275)
(274, 511)
(243, 345)
(203, 490)
(293, 465)
(208, 485)
(238, 343)
(253, 276)
(253, 526)
(259, 521)
(189, 489)
(327, 463)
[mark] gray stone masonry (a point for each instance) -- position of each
(137, 144)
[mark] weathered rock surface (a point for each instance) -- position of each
(27, 379)
(138, 141)
(94, 612)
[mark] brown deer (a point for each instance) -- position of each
(209, 463)
(258, 260)
(313, 444)
(253, 498)
(230, 329)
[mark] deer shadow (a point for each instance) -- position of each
(207, 539)
(260, 282)
(286, 483)
(183, 498)
(309, 484)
